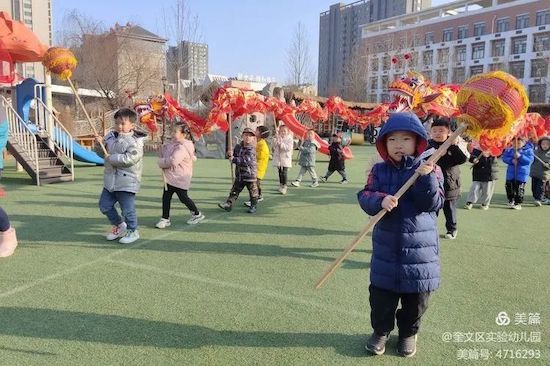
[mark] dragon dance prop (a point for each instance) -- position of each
(62, 62)
(490, 105)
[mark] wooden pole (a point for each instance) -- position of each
(87, 115)
(230, 143)
(433, 159)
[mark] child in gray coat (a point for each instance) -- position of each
(308, 149)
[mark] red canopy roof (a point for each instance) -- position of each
(18, 41)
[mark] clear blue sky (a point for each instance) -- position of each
(243, 36)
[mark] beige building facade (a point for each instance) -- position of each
(450, 43)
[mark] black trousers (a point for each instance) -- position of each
(237, 188)
(259, 184)
(537, 186)
(342, 172)
(449, 210)
(182, 195)
(515, 190)
(383, 304)
(283, 175)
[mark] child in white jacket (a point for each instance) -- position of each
(282, 155)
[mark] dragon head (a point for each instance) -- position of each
(407, 92)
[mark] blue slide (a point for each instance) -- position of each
(25, 95)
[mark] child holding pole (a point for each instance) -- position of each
(405, 255)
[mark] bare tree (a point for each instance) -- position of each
(180, 25)
(298, 57)
(109, 61)
(355, 76)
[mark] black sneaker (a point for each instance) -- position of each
(252, 210)
(225, 206)
(377, 344)
(406, 347)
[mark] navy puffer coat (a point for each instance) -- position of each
(405, 255)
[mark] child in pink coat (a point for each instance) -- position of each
(176, 161)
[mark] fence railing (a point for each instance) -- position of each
(23, 135)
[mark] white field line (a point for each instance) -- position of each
(67, 271)
(236, 286)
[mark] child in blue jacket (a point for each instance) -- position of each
(519, 160)
(405, 242)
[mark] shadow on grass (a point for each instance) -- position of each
(125, 331)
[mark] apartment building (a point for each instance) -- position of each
(450, 43)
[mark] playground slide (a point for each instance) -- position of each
(299, 130)
(80, 153)
(25, 95)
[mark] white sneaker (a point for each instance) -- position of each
(517, 207)
(283, 190)
(260, 199)
(117, 232)
(344, 181)
(510, 205)
(468, 206)
(314, 184)
(538, 203)
(296, 183)
(195, 219)
(163, 223)
(130, 237)
(484, 207)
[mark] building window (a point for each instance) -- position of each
(441, 75)
(459, 75)
(447, 35)
(517, 69)
(373, 83)
(429, 38)
(427, 57)
(503, 25)
(443, 55)
(478, 51)
(539, 68)
(479, 29)
(519, 45)
(460, 54)
(498, 48)
(374, 64)
(474, 70)
(385, 82)
(413, 61)
(543, 17)
(522, 21)
(385, 63)
(496, 66)
(541, 42)
(537, 93)
(462, 32)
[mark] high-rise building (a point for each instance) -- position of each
(191, 58)
(451, 42)
(382, 9)
(339, 37)
(37, 15)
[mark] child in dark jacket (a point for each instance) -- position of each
(244, 158)
(484, 175)
(540, 171)
(449, 164)
(336, 162)
(519, 160)
(405, 242)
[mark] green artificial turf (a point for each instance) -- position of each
(238, 289)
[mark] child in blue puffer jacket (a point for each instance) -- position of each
(405, 242)
(519, 160)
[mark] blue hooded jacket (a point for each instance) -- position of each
(526, 157)
(405, 242)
